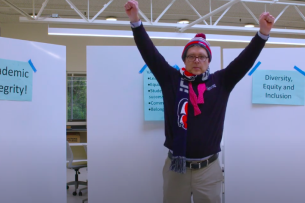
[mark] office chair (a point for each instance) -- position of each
(75, 166)
(86, 188)
(80, 191)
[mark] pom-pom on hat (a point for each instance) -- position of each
(199, 39)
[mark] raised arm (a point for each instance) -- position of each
(153, 59)
(236, 70)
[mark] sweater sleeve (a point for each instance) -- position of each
(153, 59)
(237, 69)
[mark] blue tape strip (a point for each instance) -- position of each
(145, 66)
(142, 69)
(254, 69)
(31, 64)
(176, 66)
(299, 70)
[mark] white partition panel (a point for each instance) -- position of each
(125, 154)
(32, 135)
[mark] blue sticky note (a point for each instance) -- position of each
(153, 98)
(16, 79)
(278, 87)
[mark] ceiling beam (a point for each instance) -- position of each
(210, 11)
(222, 15)
(88, 12)
(195, 11)
(151, 11)
(197, 24)
(144, 16)
(22, 12)
(33, 12)
(160, 16)
(251, 13)
(298, 10)
(281, 13)
(76, 10)
(161, 25)
(104, 7)
(221, 8)
(274, 2)
(44, 4)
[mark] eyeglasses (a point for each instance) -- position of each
(200, 58)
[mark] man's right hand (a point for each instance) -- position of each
(132, 9)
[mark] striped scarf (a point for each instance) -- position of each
(178, 163)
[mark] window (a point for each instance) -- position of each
(76, 97)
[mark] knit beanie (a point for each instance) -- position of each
(199, 39)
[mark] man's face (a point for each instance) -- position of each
(196, 61)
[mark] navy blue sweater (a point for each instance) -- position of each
(204, 131)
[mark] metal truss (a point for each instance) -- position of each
(181, 27)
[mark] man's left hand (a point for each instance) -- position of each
(266, 21)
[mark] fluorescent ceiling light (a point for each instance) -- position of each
(168, 35)
(183, 21)
(249, 25)
(111, 19)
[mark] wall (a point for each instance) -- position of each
(76, 52)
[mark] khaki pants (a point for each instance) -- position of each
(204, 184)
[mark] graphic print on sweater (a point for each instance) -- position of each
(182, 113)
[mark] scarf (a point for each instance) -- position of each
(178, 163)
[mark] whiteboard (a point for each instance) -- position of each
(33, 148)
(264, 144)
(125, 154)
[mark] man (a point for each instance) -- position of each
(194, 109)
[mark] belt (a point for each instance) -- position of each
(198, 165)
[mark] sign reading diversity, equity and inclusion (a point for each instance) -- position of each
(16, 78)
(278, 87)
(153, 98)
